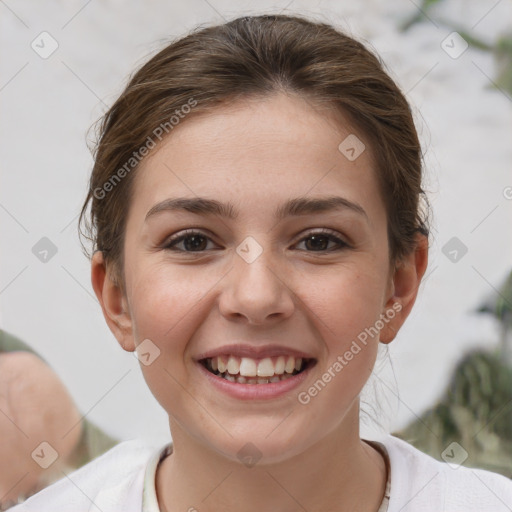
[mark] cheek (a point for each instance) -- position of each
(345, 303)
(346, 308)
(162, 304)
(161, 300)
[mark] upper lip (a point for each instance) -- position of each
(254, 352)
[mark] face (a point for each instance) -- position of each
(287, 279)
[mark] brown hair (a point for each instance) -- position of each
(256, 56)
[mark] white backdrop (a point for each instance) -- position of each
(48, 104)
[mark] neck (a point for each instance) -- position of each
(339, 472)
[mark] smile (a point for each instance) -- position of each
(246, 370)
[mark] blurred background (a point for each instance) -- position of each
(446, 376)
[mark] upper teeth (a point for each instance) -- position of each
(248, 367)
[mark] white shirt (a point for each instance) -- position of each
(114, 482)
(150, 500)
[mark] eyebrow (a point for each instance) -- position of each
(292, 207)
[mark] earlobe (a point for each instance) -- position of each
(113, 302)
(405, 284)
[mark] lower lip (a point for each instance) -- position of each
(255, 391)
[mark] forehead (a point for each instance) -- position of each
(258, 149)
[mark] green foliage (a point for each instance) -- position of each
(501, 48)
(475, 411)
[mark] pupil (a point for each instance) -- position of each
(317, 238)
(194, 242)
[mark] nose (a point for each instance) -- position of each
(256, 291)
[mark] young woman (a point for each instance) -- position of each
(256, 213)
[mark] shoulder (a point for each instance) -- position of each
(11, 343)
(111, 482)
(421, 483)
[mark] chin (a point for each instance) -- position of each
(250, 448)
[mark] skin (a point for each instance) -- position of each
(257, 154)
(36, 407)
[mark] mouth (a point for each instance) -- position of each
(247, 370)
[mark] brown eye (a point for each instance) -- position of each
(319, 242)
(193, 241)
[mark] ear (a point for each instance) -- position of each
(113, 302)
(404, 284)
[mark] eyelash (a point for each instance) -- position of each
(331, 235)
